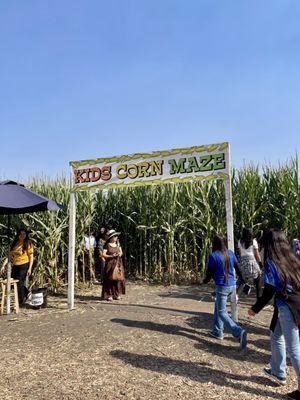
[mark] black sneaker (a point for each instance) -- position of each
(275, 378)
(243, 340)
(294, 395)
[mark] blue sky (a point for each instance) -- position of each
(90, 78)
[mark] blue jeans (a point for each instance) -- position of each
(285, 338)
(221, 317)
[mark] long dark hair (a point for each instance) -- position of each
(219, 244)
(247, 237)
(277, 249)
(101, 235)
(26, 242)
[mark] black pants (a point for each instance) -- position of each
(256, 284)
(20, 272)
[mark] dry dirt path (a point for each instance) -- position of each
(153, 344)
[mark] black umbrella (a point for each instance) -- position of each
(16, 199)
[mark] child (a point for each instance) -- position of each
(221, 266)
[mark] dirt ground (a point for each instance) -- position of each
(152, 344)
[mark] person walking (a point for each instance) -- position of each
(89, 254)
(100, 260)
(282, 279)
(21, 254)
(250, 263)
(113, 273)
(296, 247)
(221, 266)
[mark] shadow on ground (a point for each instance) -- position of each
(198, 372)
(203, 341)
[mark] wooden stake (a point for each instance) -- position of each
(230, 231)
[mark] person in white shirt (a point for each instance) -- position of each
(250, 263)
(89, 254)
(89, 241)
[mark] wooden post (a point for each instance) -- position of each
(8, 288)
(71, 257)
(230, 231)
(8, 269)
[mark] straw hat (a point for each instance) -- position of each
(112, 233)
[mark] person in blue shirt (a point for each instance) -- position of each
(221, 267)
(282, 279)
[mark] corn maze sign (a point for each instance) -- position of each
(177, 165)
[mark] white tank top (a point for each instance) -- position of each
(250, 251)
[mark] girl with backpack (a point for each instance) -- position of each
(250, 263)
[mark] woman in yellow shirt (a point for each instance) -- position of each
(21, 254)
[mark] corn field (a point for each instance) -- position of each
(166, 230)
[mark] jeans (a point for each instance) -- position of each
(285, 338)
(221, 317)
